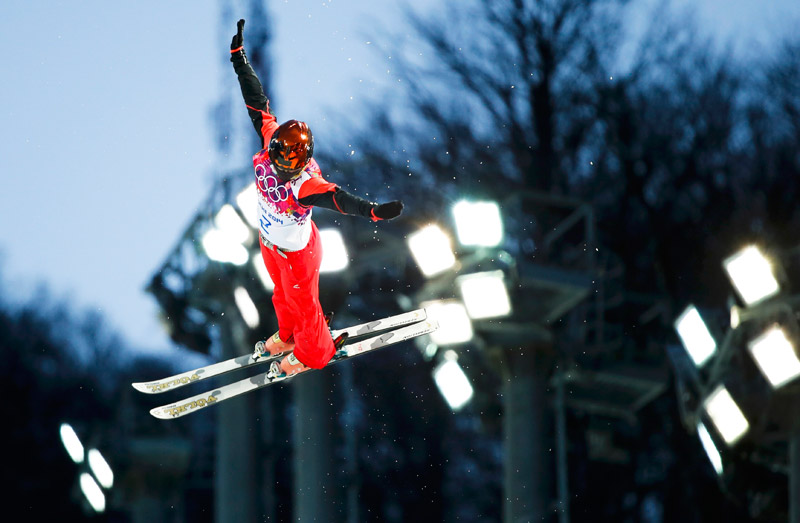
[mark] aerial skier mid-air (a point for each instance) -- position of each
(289, 184)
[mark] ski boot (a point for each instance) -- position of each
(273, 346)
(290, 365)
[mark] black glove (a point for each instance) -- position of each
(238, 39)
(387, 211)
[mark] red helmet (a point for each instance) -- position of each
(290, 148)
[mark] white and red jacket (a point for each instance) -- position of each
(285, 207)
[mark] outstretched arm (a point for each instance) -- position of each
(339, 200)
(256, 101)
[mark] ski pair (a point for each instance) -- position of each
(406, 326)
(248, 360)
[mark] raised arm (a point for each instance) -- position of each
(252, 91)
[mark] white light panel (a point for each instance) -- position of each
(726, 415)
(485, 295)
(231, 225)
(263, 273)
(752, 275)
(220, 247)
(775, 357)
(711, 450)
(71, 442)
(93, 493)
(101, 469)
(334, 252)
(432, 250)
(454, 323)
(695, 336)
(452, 382)
(478, 223)
(247, 200)
(246, 307)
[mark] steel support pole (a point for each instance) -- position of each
(794, 477)
(267, 480)
(351, 481)
(315, 494)
(526, 474)
(562, 442)
(235, 488)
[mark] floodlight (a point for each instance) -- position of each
(726, 415)
(100, 468)
(220, 247)
(263, 273)
(775, 356)
(736, 317)
(452, 382)
(334, 252)
(752, 275)
(246, 307)
(431, 248)
(230, 224)
(454, 323)
(695, 335)
(485, 294)
(247, 200)
(429, 350)
(478, 223)
(71, 442)
(93, 493)
(710, 448)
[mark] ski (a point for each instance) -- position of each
(248, 360)
(213, 397)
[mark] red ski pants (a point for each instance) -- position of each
(296, 300)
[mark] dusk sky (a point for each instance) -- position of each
(106, 145)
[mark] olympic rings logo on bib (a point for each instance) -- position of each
(269, 185)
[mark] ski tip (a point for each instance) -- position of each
(418, 315)
(186, 406)
(161, 413)
(142, 387)
(430, 326)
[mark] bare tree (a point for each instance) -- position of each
(500, 95)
